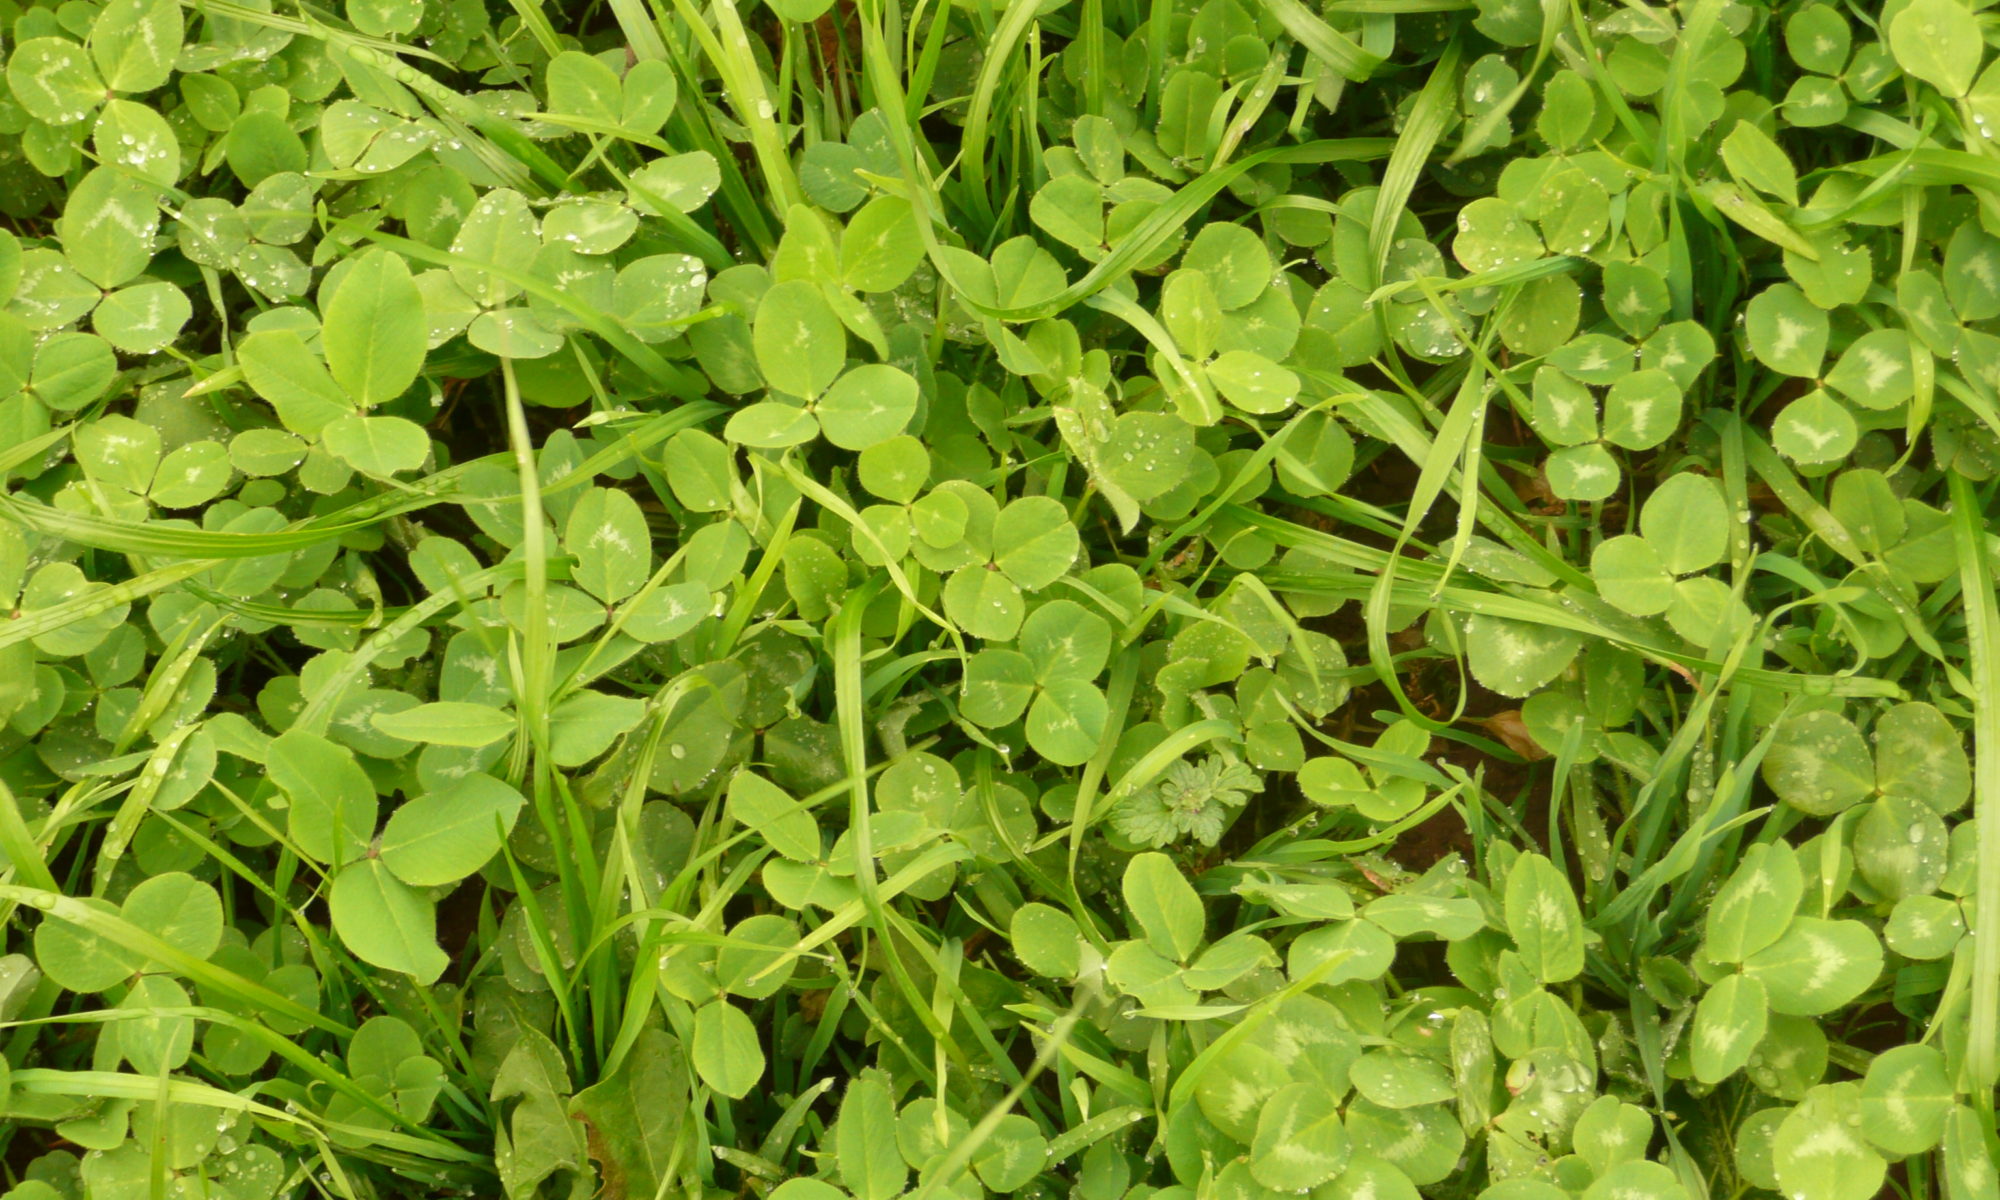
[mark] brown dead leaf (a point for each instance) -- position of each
(1513, 734)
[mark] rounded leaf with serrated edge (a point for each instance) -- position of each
(1815, 428)
(138, 138)
(655, 296)
(374, 331)
(1638, 1179)
(584, 724)
(1924, 927)
(1585, 472)
(1817, 966)
(1070, 209)
(50, 292)
(1840, 276)
(1234, 1090)
(78, 960)
(826, 169)
(757, 962)
(1012, 1155)
(1149, 454)
(1046, 940)
(1818, 39)
(1819, 764)
(1543, 917)
(607, 535)
(1491, 235)
(1300, 1142)
(1707, 613)
(1564, 412)
(771, 425)
(1065, 640)
(1034, 543)
(675, 183)
(107, 227)
(868, 405)
(984, 603)
(800, 343)
(1755, 904)
(117, 450)
(1791, 1058)
(700, 470)
(784, 825)
(1972, 273)
(385, 922)
(1515, 658)
(997, 687)
(1867, 507)
(1681, 349)
(1919, 755)
(1939, 42)
(135, 43)
(1190, 311)
(895, 469)
(1611, 1131)
(582, 85)
(1906, 1098)
(1818, 1151)
(1252, 382)
(1393, 1079)
(1901, 847)
(1408, 915)
(1874, 371)
(1967, 1163)
(1575, 211)
(864, 1141)
(53, 80)
(1813, 101)
(1728, 1024)
(1753, 158)
(1786, 331)
(446, 835)
(1368, 1175)
(265, 453)
(1568, 108)
(726, 1053)
(1066, 721)
(513, 333)
(191, 475)
(1228, 960)
(179, 910)
(1686, 520)
(1642, 409)
(1364, 949)
(333, 804)
(1635, 296)
(379, 446)
(280, 368)
(1423, 1142)
(1630, 575)
(1332, 781)
(880, 247)
(142, 319)
(1753, 1146)
(1164, 905)
(360, 138)
(1235, 261)
(649, 93)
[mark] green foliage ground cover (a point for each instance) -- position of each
(1203, 599)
